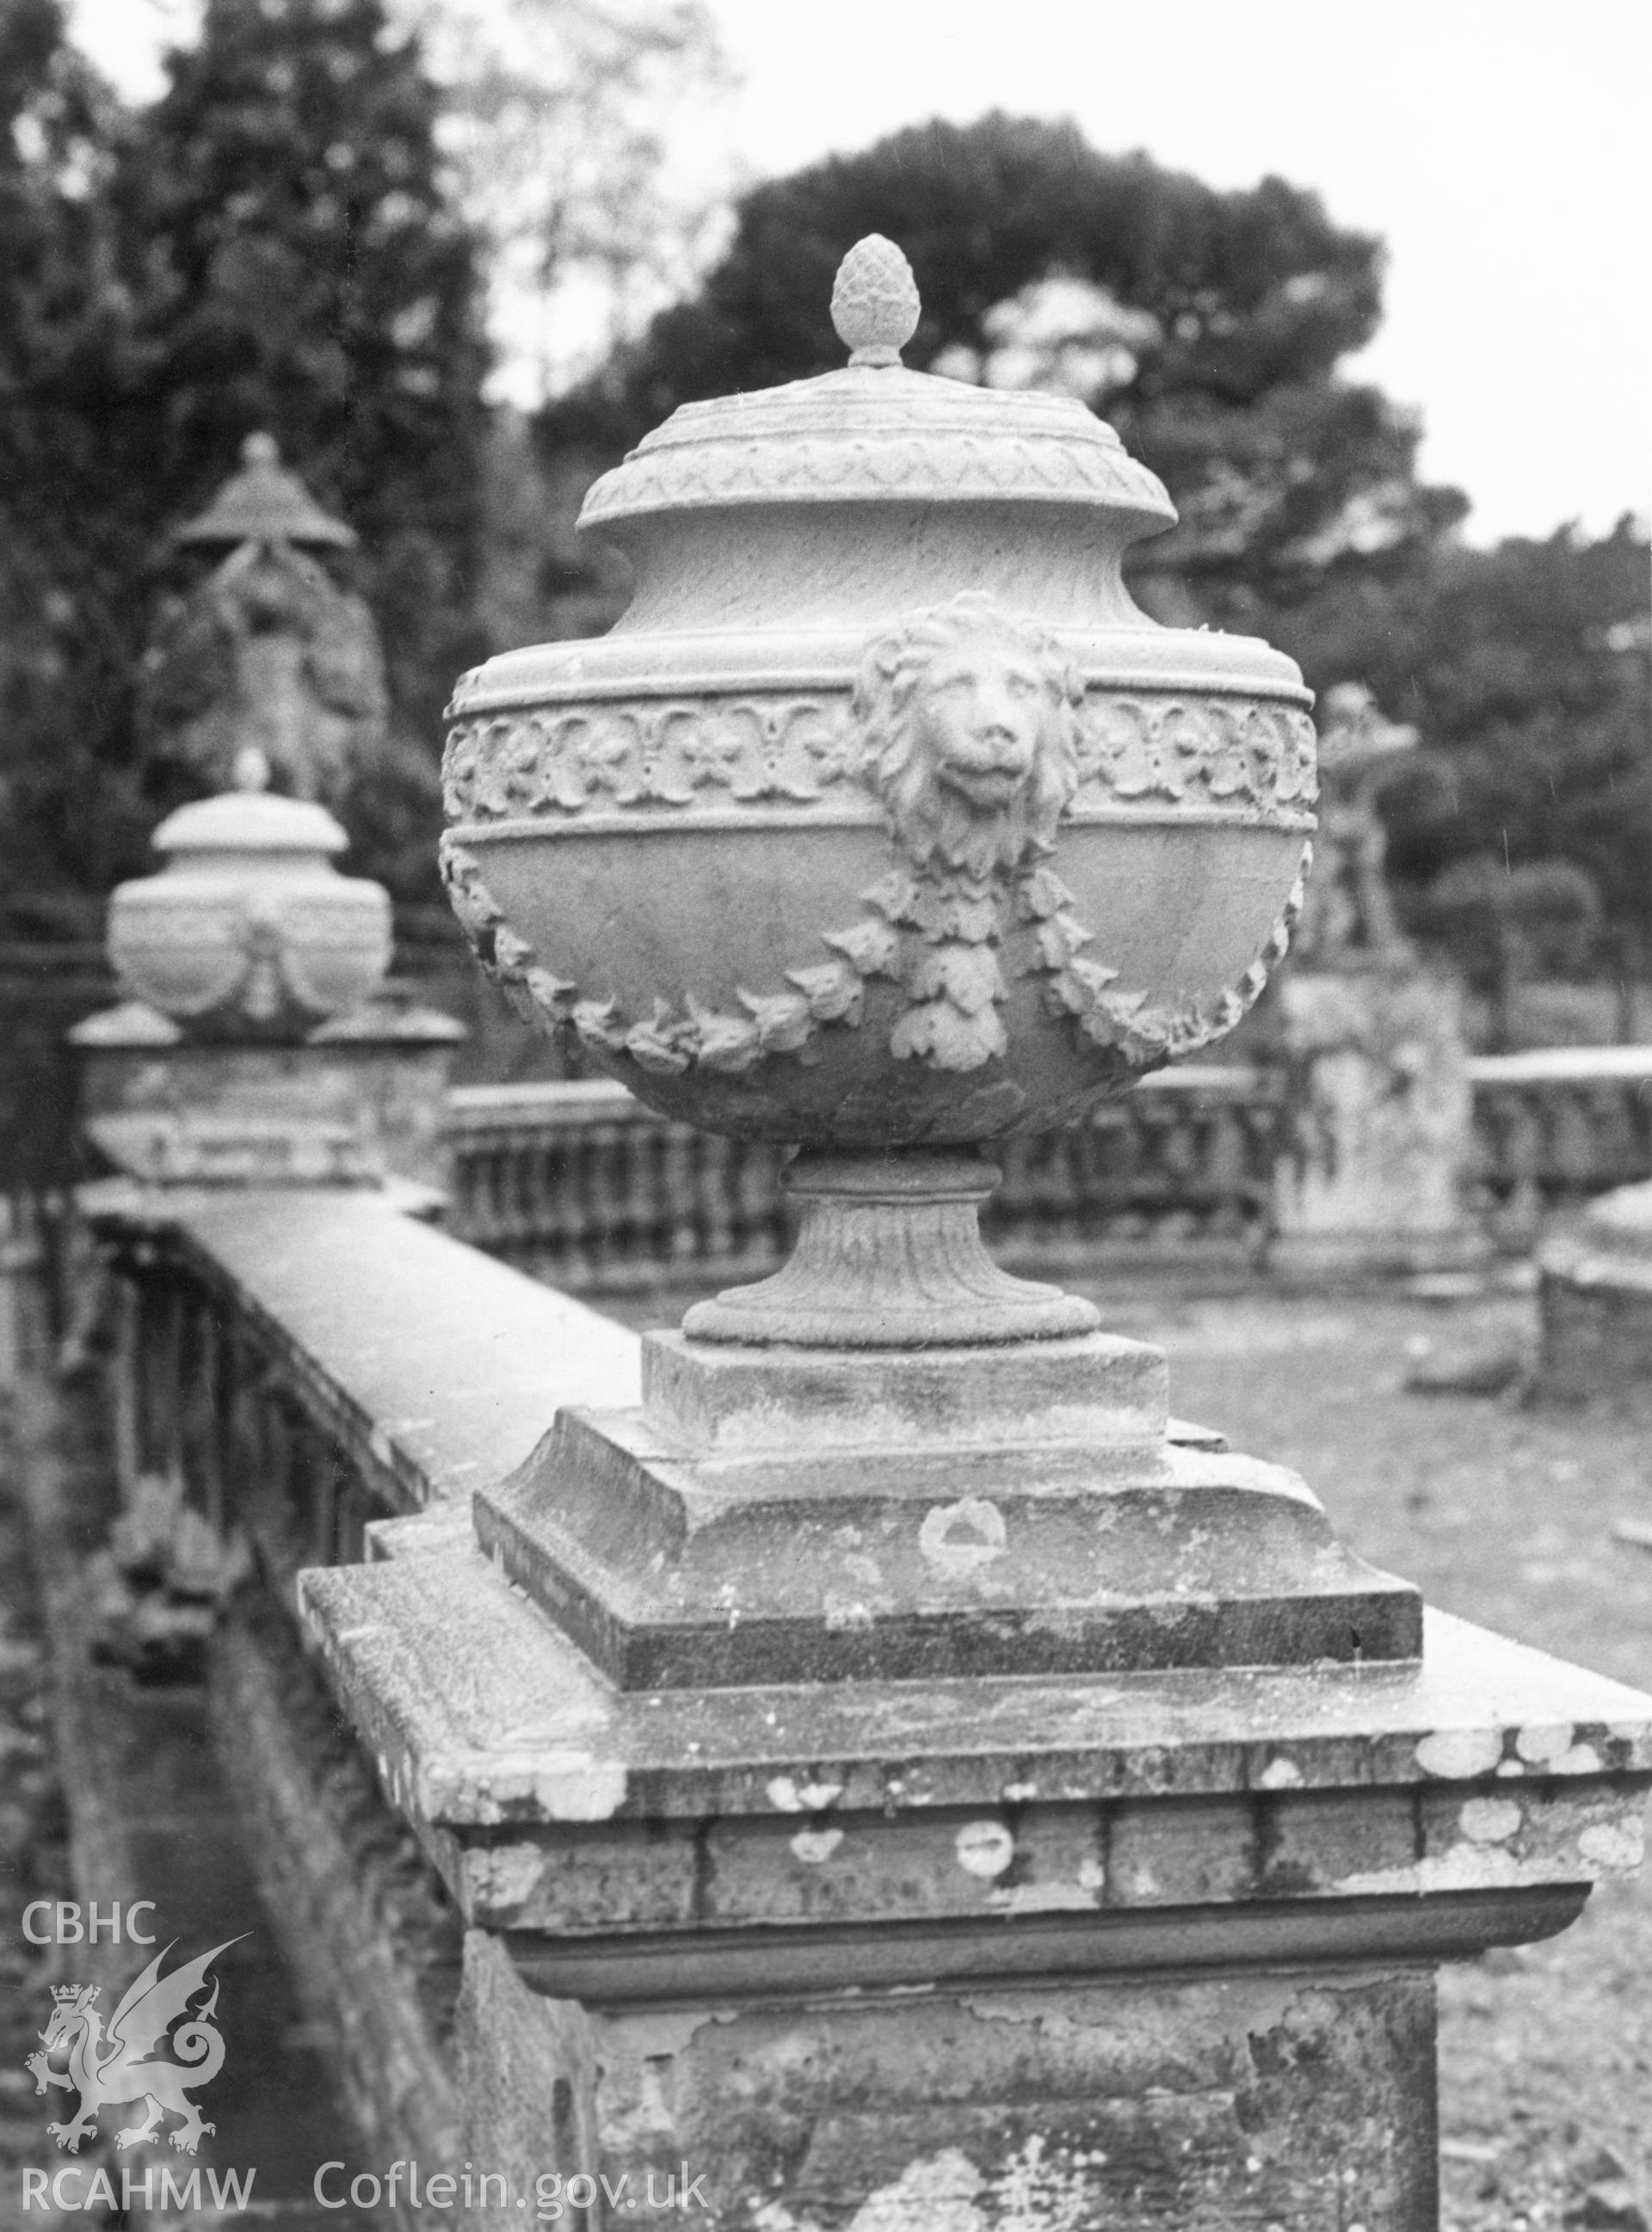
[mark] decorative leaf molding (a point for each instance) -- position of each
(1251, 755)
(971, 727)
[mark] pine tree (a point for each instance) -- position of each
(71, 542)
(1215, 324)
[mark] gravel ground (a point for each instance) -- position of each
(1502, 1513)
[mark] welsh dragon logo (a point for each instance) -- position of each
(111, 2069)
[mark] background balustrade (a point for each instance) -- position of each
(584, 1187)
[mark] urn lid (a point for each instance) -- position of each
(875, 432)
(249, 819)
(263, 503)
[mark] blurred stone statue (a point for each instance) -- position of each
(267, 650)
(1348, 920)
(1373, 1176)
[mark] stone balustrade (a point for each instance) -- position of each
(275, 1353)
(1556, 1126)
(302, 1367)
(583, 1186)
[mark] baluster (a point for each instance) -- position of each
(1612, 1145)
(494, 1179)
(1226, 1170)
(352, 1508)
(1004, 1216)
(1483, 1146)
(518, 1190)
(599, 1160)
(1057, 1165)
(1262, 1126)
(716, 1203)
(316, 1479)
(582, 1160)
(539, 1166)
(634, 1156)
(765, 1215)
(505, 1174)
(1573, 1144)
(643, 1147)
(164, 1347)
(676, 1186)
(1181, 1158)
(1100, 1151)
(1527, 1161)
(637, 1151)
(128, 1419)
(737, 1178)
(1638, 1097)
(1148, 1183)
(239, 1425)
(461, 1185)
(517, 1195)
(198, 1377)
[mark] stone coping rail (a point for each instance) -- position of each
(427, 1366)
(1564, 1066)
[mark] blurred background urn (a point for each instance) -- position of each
(250, 931)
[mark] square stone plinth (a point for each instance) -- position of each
(726, 1399)
(687, 1544)
(1481, 1780)
(1284, 2101)
(1154, 1949)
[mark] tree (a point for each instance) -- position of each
(1527, 668)
(69, 356)
(1215, 321)
(562, 120)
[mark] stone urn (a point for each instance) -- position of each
(883, 822)
(250, 931)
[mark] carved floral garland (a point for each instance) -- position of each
(667, 755)
(970, 736)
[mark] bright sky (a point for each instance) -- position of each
(1498, 145)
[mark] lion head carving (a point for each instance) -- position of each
(970, 735)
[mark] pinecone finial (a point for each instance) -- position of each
(875, 301)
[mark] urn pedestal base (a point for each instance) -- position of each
(786, 1506)
(362, 1097)
(785, 1513)
(890, 1256)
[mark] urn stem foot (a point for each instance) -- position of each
(890, 1256)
